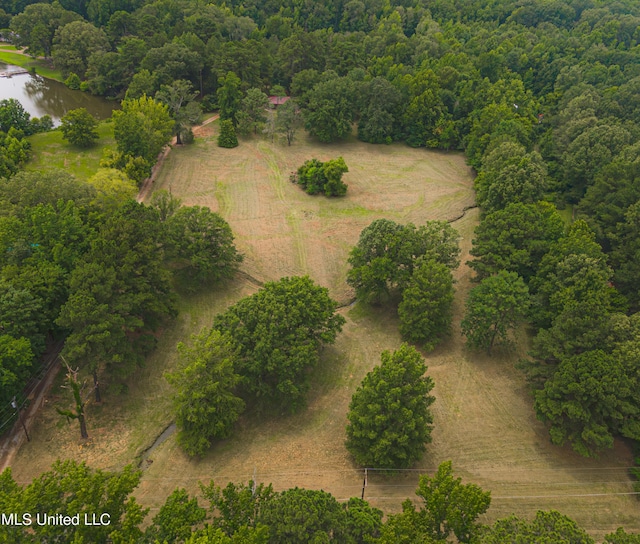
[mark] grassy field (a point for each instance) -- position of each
(49, 151)
(9, 54)
(483, 414)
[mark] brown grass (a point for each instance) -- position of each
(484, 419)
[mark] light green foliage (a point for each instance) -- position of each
(227, 137)
(113, 187)
(278, 332)
(253, 112)
(236, 506)
(21, 315)
(515, 239)
(451, 506)
(389, 416)
(73, 488)
(229, 98)
(424, 110)
(75, 43)
(495, 307)
(303, 516)
(385, 256)
(546, 528)
(79, 128)
(201, 243)
(141, 129)
(317, 177)
(622, 537)
(426, 308)
(176, 518)
(205, 405)
(591, 397)
(73, 81)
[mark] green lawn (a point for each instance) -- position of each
(8, 56)
(50, 151)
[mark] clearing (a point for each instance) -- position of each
(484, 421)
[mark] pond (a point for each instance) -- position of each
(40, 96)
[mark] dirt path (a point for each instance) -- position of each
(147, 185)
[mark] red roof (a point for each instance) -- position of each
(278, 100)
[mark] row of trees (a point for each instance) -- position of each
(446, 510)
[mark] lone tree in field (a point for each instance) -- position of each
(389, 416)
(426, 308)
(78, 127)
(278, 332)
(322, 177)
(495, 307)
(227, 137)
(205, 404)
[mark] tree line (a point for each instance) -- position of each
(445, 510)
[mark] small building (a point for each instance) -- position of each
(278, 100)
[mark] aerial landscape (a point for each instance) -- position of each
(320, 271)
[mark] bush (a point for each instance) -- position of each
(317, 177)
(73, 81)
(227, 137)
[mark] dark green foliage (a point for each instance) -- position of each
(75, 43)
(626, 256)
(13, 115)
(389, 416)
(386, 253)
(253, 112)
(495, 307)
(380, 118)
(302, 516)
(205, 380)
(426, 307)
(201, 245)
(278, 332)
(329, 111)
(317, 177)
(14, 152)
(79, 128)
(227, 137)
(546, 528)
(16, 359)
(591, 397)
(176, 518)
(229, 99)
(515, 239)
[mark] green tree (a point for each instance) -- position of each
(113, 187)
(384, 258)
(179, 98)
(546, 528)
(227, 137)
(424, 109)
(329, 112)
(16, 359)
(253, 111)
(622, 537)
(451, 506)
(494, 307)
(176, 518)
(205, 405)
(229, 98)
(278, 332)
(288, 120)
(426, 308)
(379, 120)
(141, 129)
(515, 239)
(300, 516)
(14, 153)
(333, 171)
(201, 244)
(76, 390)
(389, 416)
(78, 127)
(73, 45)
(13, 115)
(590, 398)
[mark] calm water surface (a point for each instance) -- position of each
(40, 96)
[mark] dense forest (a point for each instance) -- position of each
(543, 97)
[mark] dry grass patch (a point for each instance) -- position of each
(484, 421)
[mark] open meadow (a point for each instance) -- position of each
(484, 420)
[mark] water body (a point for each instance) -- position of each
(40, 96)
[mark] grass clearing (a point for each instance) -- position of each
(9, 54)
(50, 150)
(484, 420)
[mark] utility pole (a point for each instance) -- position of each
(14, 405)
(364, 483)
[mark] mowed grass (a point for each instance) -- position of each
(8, 55)
(484, 421)
(50, 151)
